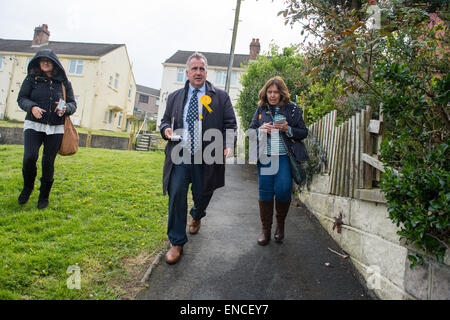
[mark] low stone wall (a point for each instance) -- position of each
(14, 135)
(369, 237)
(109, 142)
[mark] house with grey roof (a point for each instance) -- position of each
(100, 73)
(146, 102)
(174, 72)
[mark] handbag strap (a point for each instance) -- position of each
(63, 90)
(63, 87)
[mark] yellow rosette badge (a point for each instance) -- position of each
(205, 100)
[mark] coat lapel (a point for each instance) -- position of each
(179, 105)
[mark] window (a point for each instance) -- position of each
(234, 76)
(143, 98)
(76, 67)
(1, 62)
(116, 81)
(181, 75)
(110, 80)
(129, 91)
(110, 116)
(221, 78)
(119, 124)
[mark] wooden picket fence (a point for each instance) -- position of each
(352, 151)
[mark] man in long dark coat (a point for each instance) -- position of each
(192, 111)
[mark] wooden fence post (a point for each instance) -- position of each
(130, 141)
(88, 139)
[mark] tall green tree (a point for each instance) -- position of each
(286, 63)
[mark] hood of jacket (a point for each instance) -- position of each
(47, 53)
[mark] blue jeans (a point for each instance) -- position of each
(181, 176)
(277, 183)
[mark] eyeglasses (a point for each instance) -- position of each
(45, 61)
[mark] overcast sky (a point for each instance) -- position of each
(152, 30)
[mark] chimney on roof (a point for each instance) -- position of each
(255, 47)
(41, 36)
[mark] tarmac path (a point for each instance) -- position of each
(224, 262)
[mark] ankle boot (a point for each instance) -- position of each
(24, 195)
(266, 214)
(46, 186)
(282, 209)
(28, 186)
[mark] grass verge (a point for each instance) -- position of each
(107, 216)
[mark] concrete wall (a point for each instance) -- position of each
(7, 65)
(369, 237)
(11, 135)
(119, 100)
(15, 136)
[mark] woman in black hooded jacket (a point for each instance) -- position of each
(39, 96)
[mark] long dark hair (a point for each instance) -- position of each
(35, 70)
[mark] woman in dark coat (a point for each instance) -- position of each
(40, 96)
(279, 121)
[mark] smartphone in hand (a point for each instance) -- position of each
(60, 107)
(281, 121)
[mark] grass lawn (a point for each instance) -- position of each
(107, 216)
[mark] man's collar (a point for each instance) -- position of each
(202, 89)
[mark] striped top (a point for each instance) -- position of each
(275, 144)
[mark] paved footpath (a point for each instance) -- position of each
(224, 262)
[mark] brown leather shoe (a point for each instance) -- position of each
(195, 226)
(174, 254)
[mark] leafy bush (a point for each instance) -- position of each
(418, 202)
(319, 99)
(414, 84)
(403, 67)
(287, 64)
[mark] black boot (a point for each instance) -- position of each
(46, 186)
(28, 186)
(24, 195)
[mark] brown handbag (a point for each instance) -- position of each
(69, 144)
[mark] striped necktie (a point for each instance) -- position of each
(192, 117)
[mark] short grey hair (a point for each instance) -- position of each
(199, 56)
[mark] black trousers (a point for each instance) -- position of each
(181, 176)
(32, 143)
